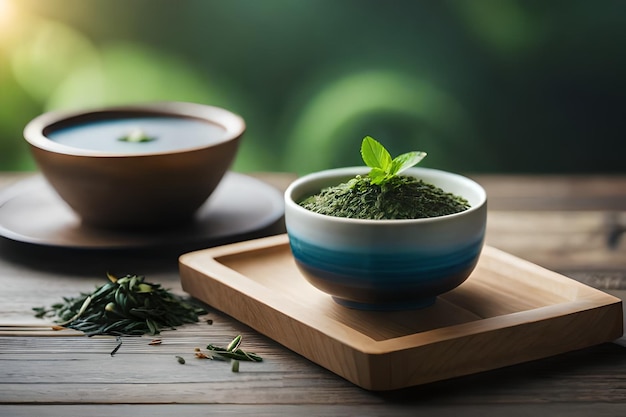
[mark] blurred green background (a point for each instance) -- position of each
(516, 86)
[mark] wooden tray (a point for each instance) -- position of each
(508, 311)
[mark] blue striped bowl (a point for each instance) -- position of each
(385, 264)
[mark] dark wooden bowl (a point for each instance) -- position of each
(138, 190)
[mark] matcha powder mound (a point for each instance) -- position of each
(402, 197)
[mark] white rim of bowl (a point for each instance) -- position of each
(234, 125)
(361, 170)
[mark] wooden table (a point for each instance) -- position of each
(574, 225)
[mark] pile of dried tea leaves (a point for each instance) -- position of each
(123, 306)
(399, 197)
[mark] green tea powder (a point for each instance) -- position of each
(400, 197)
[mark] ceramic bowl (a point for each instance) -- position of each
(385, 264)
(118, 184)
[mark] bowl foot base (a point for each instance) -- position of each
(407, 305)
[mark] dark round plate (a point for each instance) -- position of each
(32, 212)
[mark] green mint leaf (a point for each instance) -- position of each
(383, 167)
(377, 176)
(405, 161)
(136, 135)
(374, 154)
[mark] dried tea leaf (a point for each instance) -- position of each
(123, 306)
(402, 197)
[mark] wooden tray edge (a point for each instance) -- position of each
(385, 366)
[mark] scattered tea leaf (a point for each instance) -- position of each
(232, 351)
(123, 306)
(180, 360)
(234, 345)
(201, 355)
(119, 345)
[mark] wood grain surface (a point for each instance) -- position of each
(507, 312)
(573, 225)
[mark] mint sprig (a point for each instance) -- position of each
(383, 166)
(137, 136)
